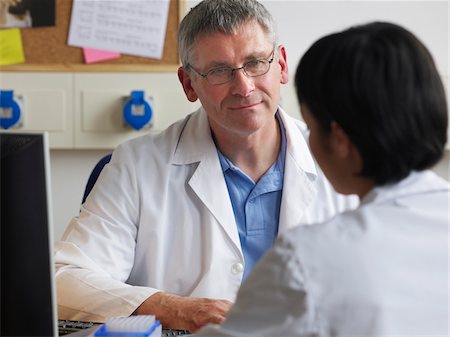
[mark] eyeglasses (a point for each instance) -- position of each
(222, 75)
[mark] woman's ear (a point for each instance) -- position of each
(340, 141)
(185, 80)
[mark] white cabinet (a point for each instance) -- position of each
(47, 102)
(99, 100)
(84, 110)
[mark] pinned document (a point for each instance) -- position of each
(11, 48)
(129, 27)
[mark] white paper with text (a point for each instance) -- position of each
(135, 27)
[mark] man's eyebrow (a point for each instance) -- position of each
(254, 56)
(217, 64)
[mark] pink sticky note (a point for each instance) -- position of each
(95, 55)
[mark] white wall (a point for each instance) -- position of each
(300, 23)
(70, 170)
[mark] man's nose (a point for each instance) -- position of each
(241, 84)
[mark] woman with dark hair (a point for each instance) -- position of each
(376, 109)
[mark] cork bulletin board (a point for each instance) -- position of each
(46, 48)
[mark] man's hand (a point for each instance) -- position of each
(185, 313)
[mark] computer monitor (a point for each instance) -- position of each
(28, 304)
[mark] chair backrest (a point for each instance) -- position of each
(94, 175)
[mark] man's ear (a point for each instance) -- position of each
(340, 141)
(185, 80)
(282, 61)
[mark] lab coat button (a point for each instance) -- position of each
(237, 268)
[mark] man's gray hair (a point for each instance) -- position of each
(225, 16)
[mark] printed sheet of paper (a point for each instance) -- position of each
(135, 27)
(11, 48)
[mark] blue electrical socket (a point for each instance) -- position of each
(10, 110)
(137, 111)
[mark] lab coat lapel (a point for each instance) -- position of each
(207, 182)
(300, 173)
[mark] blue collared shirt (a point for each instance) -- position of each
(256, 206)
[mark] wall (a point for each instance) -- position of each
(300, 23)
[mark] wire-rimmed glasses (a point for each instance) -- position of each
(222, 75)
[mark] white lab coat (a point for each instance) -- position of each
(160, 218)
(381, 269)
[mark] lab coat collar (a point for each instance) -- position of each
(195, 141)
(415, 183)
(300, 175)
(197, 146)
(297, 145)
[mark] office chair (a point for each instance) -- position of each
(94, 175)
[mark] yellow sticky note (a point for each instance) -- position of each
(11, 49)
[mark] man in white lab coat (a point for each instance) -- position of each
(177, 220)
(375, 106)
